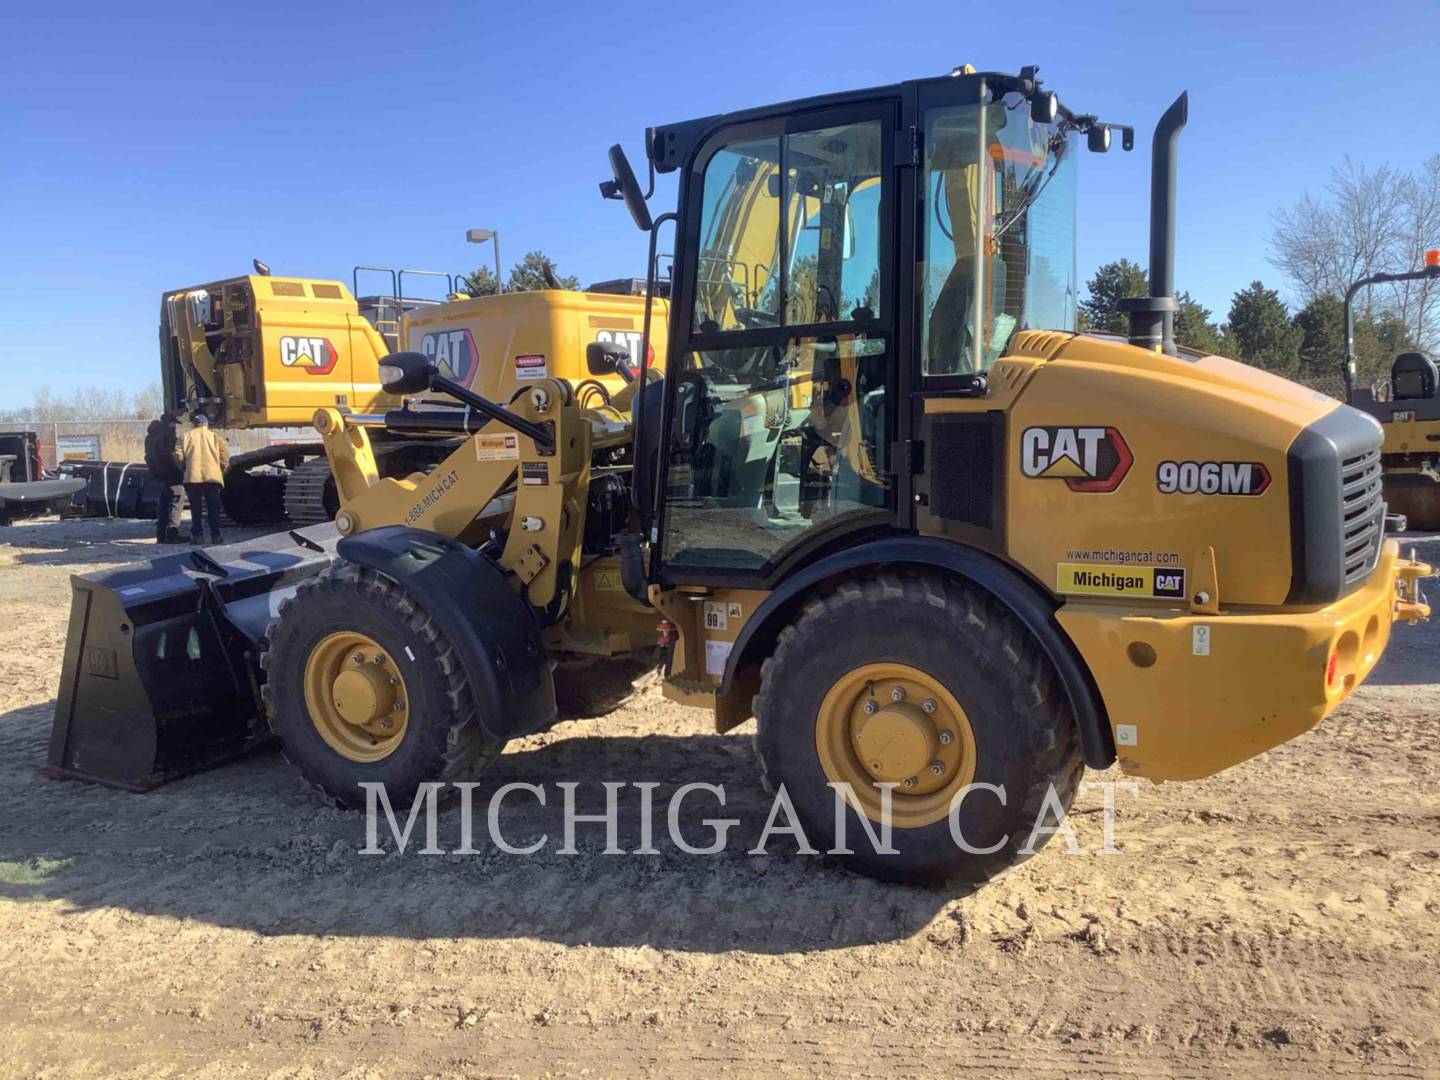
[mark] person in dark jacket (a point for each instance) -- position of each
(160, 460)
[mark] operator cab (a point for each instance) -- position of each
(803, 349)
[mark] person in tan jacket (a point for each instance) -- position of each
(204, 456)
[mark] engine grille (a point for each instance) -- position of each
(1363, 513)
(1337, 509)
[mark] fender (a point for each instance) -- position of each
(1033, 607)
(494, 632)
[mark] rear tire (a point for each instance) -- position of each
(980, 672)
(441, 738)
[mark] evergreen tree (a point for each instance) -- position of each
(1261, 332)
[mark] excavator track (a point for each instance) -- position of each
(310, 495)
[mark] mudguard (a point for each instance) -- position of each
(1029, 604)
(495, 633)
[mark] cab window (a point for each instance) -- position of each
(790, 231)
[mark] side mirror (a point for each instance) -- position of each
(627, 188)
(609, 358)
(407, 373)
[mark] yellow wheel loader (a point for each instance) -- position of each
(1408, 410)
(262, 351)
(1006, 551)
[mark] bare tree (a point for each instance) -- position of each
(1368, 221)
(90, 403)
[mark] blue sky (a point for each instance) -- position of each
(149, 146)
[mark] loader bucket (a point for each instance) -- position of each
(161, 675)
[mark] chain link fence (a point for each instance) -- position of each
(124, 440)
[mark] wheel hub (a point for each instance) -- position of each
(897, 742)
(898, 725)
(356, 696)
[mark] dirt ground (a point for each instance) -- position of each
(1279, 919)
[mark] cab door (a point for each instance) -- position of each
(783, 376)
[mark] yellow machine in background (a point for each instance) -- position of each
(1408, 408)
(266, 352)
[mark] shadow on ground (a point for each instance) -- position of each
(249, 846)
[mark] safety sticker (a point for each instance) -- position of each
(530, 367)
(715, 616)
(716, 653)
(497, 447)
(1126, 735)
(1200, 641)
(535, 473)
(1167, 582)
(735, 611)
(609, 581)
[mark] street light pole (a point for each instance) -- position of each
(479, 236)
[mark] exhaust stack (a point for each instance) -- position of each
(1152, 318)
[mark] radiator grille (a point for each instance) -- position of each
(1362, 509)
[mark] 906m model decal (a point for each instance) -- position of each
(1211, 478)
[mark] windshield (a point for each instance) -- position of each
(998, 232)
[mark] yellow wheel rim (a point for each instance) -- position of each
(892, 723)
(356, 696)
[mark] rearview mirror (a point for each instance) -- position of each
(407, 373)
(609, 358)
(628, 188)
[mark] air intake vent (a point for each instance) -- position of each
(1337, 509)
(326, 292)
(286, 288)
(962, 469)
(1362, 510)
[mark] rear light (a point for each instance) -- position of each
(1331, 668)
(1432, 257)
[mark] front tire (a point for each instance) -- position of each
(932, 686)
(361, 687)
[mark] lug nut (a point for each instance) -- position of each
(380, 658)
(937, 768)
(394, 681)
(385, 723)
(358, 658)
(946, 738)
(898, 694)
(928, 705)
(909, 781)
(871, 707)
(398, 706)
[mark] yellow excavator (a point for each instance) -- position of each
(1408, 408)
(263, 351)
(1004, 552)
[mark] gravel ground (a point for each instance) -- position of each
(1278, 919)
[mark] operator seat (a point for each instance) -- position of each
(1413, 377)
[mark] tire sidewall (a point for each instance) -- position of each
(983, 682)
(420, 755)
